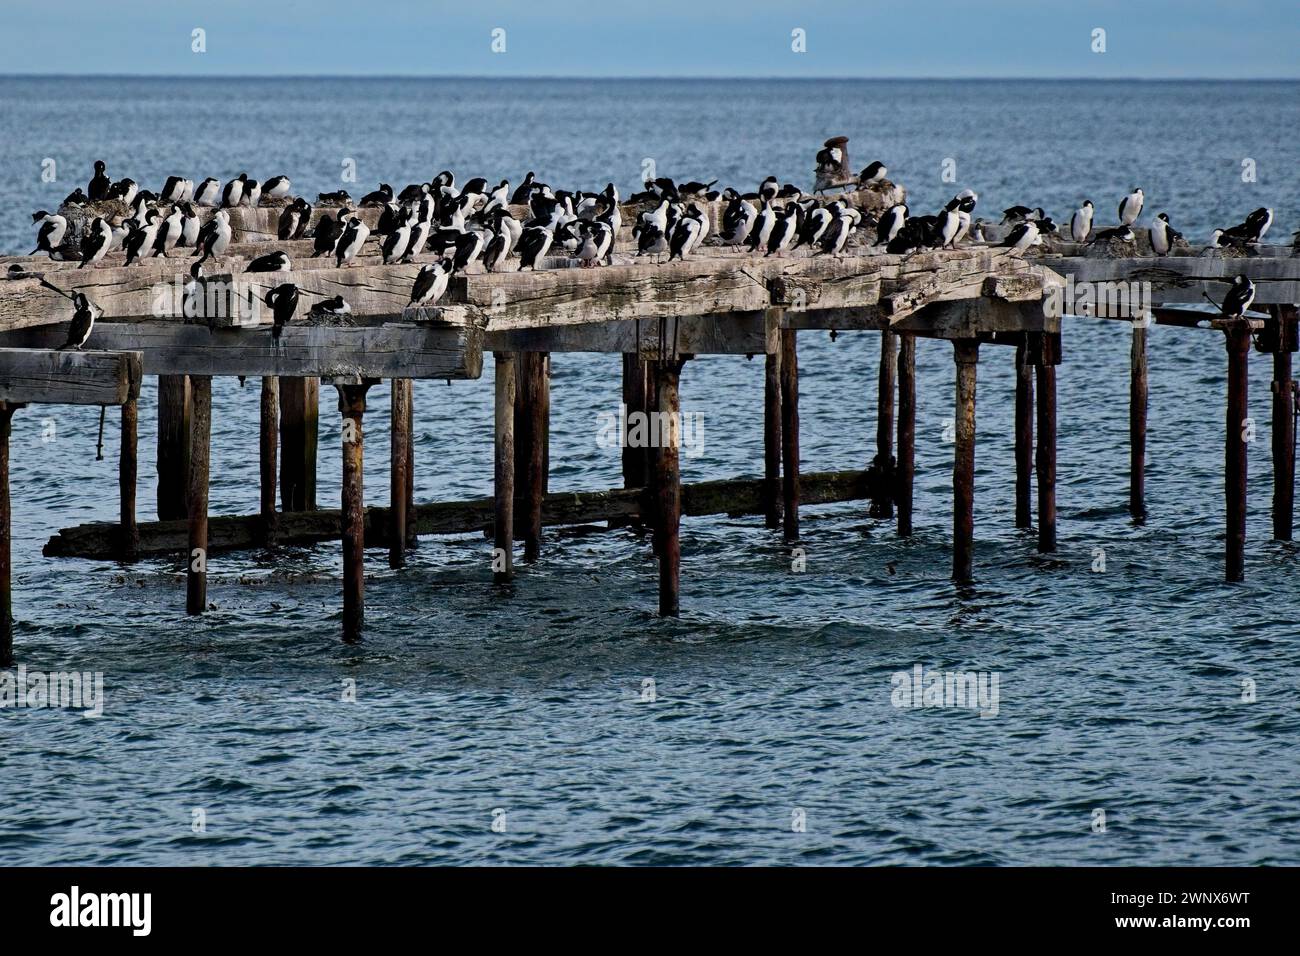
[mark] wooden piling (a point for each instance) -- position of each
(790, 434)
(906, 474)
(6, 556)
(399, 461)
(352, 406)
(966, 355)
(1284, 421)
(1024, 435)
(1137, 420)
(636, 387)
(532, 435)
(268, 450)
(127, 474)
(173, 446)
(1237, 340)
(772, 440)
(504, 479)
(882, 504)
(196, 574)
(1045, 458)
(299, 414)
(668, 486)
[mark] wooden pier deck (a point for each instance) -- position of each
(657, 315)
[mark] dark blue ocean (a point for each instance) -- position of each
(1150, 691)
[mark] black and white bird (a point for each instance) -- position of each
(83, 322)
(785, 230)
(967, 199)
(469, 247)
(1239, 297)
(737, 221)
(836, 235)
(331, 308)
(1130, 207)
(1081, 222)
(193, 299)
(169, 232)
(890, 223)
(768, 188)
(50, 233)
(685, 233)
(763, 225)
(326, 235)
(124, 189)
(271, 262)
(396, 242)
(949, 224)
(189, 226)
(1163, 236)
(1118, 234)
(534, 244)
(99, 183)
(597, 239)
(873, 173)
(277, 187)
(814, 226)
(1017, 214)
(175, 190)
(293, 220)
(379, 197)
(431, 282)
(233, 194)
(1258, 222)
(1021, 238)
(214, 237)
(139, 242)
(75, 198)
(355, 234)
(208, 193)
(419, 237)
(252, 194)
(283, 300)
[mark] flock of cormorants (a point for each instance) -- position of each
(473, 223)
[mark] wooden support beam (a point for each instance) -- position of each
(1024, 435)
(127, 474)
(391, 350)
(730, 496)
(966, 355)
(174, 408)
(790, 434)
(1237, 340)
(68, 377)
(352, 406)
(906, 474)
(1284, 341)
(882, 506)
(503, 539)
(411, 541)
(268, 451)
(668, 486)
(299, 414)
(1138, 395)
(772, 439)
(6, 533)
(196, 574)
(532, 437)
(399, 463)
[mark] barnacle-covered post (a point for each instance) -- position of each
(1237, 341)
(196, 573)
(1045, 355)
(1282, 337)
(966, 354)
(906, 472)
(503, 486)
(352, 406)
(1024, 434)
(882, 466)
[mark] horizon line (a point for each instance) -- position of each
(652, 77)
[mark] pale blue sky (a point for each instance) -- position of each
(920, 38)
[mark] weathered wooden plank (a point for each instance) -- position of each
(734, 496)
(69, 377)
(728, 333)
(405, 351)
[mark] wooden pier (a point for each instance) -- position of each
(657, 316)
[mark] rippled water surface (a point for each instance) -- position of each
(1120, 691)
